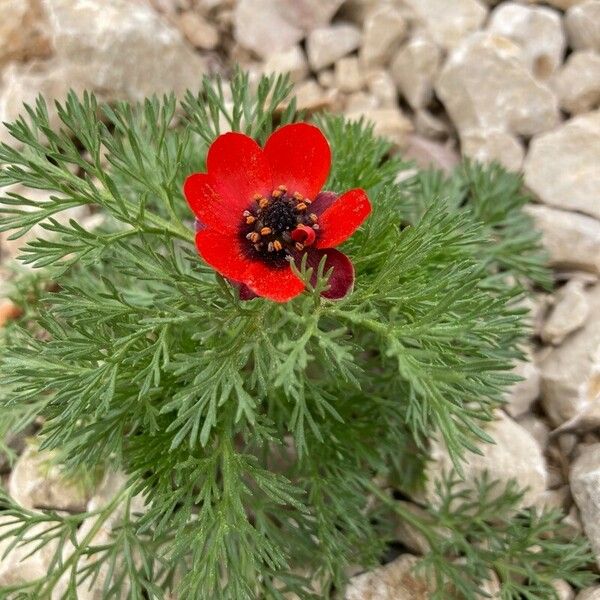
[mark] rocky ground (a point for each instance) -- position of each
(516, 82)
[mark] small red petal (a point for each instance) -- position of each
(341, 279)
(224, 253)
(207, 204)
(278, 284)
(304, 234)
(343, 218)
(238, 170)
(300, 158)
(323, 201)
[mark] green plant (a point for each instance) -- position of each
(254, 430)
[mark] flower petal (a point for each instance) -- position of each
(238, 170)
(224, 253)
(322, 202)
(279, 284)
(341, 279)
(300, 158)
(343, 218)
(208, 206)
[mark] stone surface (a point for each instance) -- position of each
(198, 31)
(571, 239)
(563, 590)
(448, 22)
(493, 145)
(585, 487)
(571, 309)
(571, 372)
(35, 483)
(382, 87)
(561, 167)
(384, 30)
(578, 82)
(292, 61)
(430, 154)
(348, 74)
(414, 70)
(537, 30)
(582, 22)
(515, 455)
(524, 393)
(23, 31)
(536, 427)
(408, 535)
(485, 84)
(388, 122)
(326, 44)
(592, 593)
(310, 96)
(394, 581)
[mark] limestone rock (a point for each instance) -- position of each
(592, 593)
(389, 123)
(571, 372)
(198, 31)
(537, 428)
(126, 52)
(524, 393)
(563, 590)
(583, 25)
(23, 31)
(485, 84)
(431, 154)
(562, 165)
(572, 240)
(37, 483)
(493, 145)
(309, 14)
(515, 455)
(448, 22)
(384, 31)
(348, 74)
(408, 535)
(569, 313)
(394, 581)
(311, 97)
(326, 44)
(290, 61)
(360, 102)
(585, 487)
(381, 85)
(537, 30)
(414, 70)
(432, 126)
(578, 82)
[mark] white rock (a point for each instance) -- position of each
(571, 372)
(583, 25)
(485, 84)
(537, 30)
(561, 167)
(199, 32)
(589, 594)
(514, 455)
(432, 126)
(429, 154)
(585, 487)
(23, 31)
(360, 102)
(381, 85)
(572, 240)
(326, 44)
(36, 483)
(394, 581)
(309, 14)
(384, 31)
(493, 145)
(537, 428)
(578, 82)
(310, 96)
(569, 313)
(448, 22)
(290, 61)
(124, 52)
(415, 68)
(348, 74)
(407, 534)
(524, 393)
(563, 590)
(389, 123)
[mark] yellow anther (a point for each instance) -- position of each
(265, 231)
(299, 246)
(250, 219)
(298, 196)
(301, 206)
(313, 217)
(283, 188)
(276, 193)
(253, 236)
(263, 202)
(277, 245)
(257, 197)
(246, 213)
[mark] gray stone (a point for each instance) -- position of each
(381, 85)
(415, 68)
(585, 487)
(537, 428)
(537, 30)
(198, 31)
(493, 145)
(524, 393)
(292, 61)
(583, 25)
(570, 312)
(485, 84)
(561, 167)
(384, 30)
(348, 74)
(563, 590)
(578, 82)
(389, 123)
(429, 154)
(325, 45)
(592, 593)
(572, 240)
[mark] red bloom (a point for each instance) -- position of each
(257, 209)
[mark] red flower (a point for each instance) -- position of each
(258, 209)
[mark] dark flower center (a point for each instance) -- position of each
(278, 226)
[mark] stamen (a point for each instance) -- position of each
(253, 236)
(299, 246)
(271, 247)
(276, 193)
(283, 188)
(301, 206)
(298, 196)
(263, 202)
(250, 219)
(246, 213)
(313, 217)
(315, 226)
(265, 231)
(277, 245)
(257, 197)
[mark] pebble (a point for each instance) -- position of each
(325, 45)
(415, 68)
(384, 30)
(592, 593)
(292, 61)
(348, 74)
(428, 154)
(585, 487)
(561, 167)
(493, 145)
(578, 82)
(486, 85)
(381, 85)
(582, 22)
(198, 31)
(537, 30)
(524, 393)
(563, 590)
(570, 312)
(389, 123)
